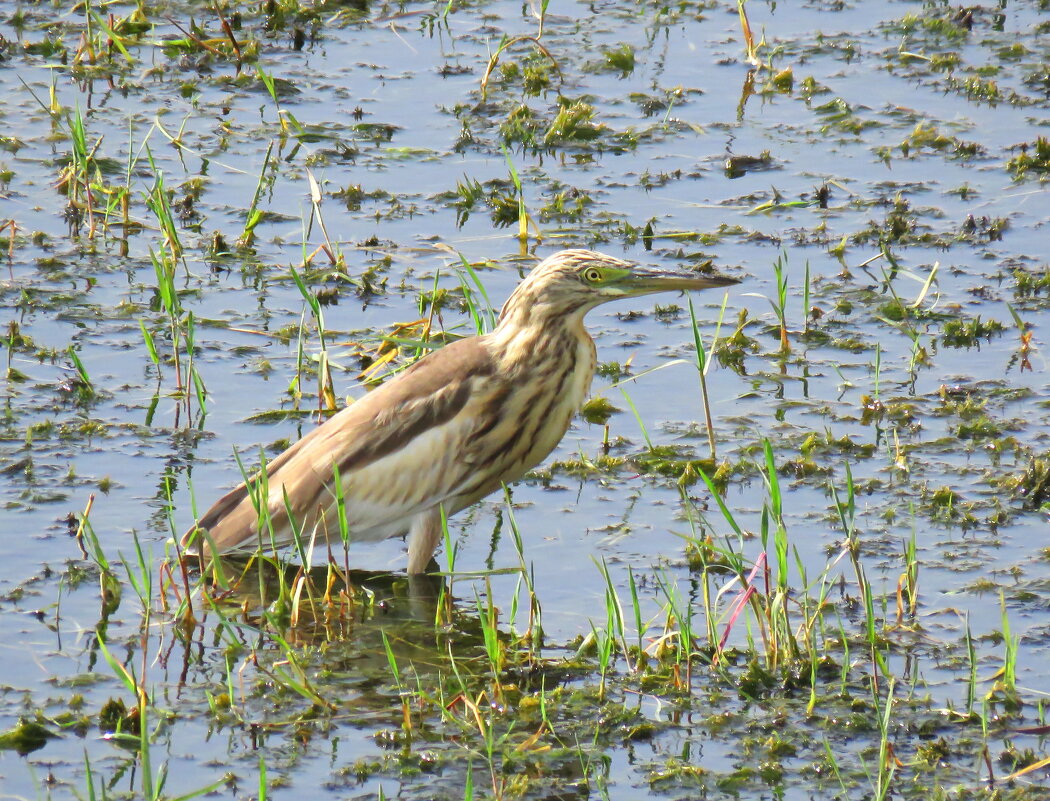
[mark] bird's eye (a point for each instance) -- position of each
(592, 275)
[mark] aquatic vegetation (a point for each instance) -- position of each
(574, 122)
(598, 410)
(1033, 484)
(926, 135)
(619, 59)
(1034, 158)
(968, 333)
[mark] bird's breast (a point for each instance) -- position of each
(523, 412)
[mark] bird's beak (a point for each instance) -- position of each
(645, 280)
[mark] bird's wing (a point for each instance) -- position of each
(395, 451)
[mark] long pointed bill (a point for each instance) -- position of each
(645, 280)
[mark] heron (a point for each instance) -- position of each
(456, 425)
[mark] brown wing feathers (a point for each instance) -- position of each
(428, 394)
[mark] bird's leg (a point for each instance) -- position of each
(423, 538)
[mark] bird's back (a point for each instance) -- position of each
(379, 445)
(449, 430)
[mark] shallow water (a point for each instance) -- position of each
(417, 77)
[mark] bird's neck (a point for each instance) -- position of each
(526, 335)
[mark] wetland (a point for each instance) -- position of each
(794, 546)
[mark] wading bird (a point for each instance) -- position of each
(446, 432)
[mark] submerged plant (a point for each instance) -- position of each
(1033, 158)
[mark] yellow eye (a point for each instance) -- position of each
(592, 275)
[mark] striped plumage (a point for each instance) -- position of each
(451, 428)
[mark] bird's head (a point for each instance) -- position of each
(571, 282)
